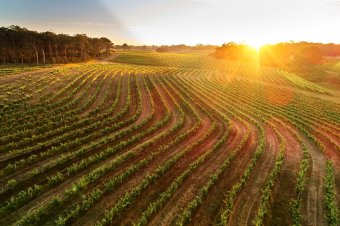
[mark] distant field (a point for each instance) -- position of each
(327, 74)
(14, 69)
(168, 139)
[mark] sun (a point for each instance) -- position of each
(256, 45)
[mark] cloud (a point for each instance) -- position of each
(92, 24)
(138, 28)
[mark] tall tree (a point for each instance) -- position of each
(18, 44)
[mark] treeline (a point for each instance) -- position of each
(234, 51)
(281, 54)
(183, 47)
(22, 46)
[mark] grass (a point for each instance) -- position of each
(15, 69)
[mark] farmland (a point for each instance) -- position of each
(168, 139)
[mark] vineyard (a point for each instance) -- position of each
(168, 139)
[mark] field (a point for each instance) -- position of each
(168, 139)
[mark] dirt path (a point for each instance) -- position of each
(208, 211)
(313, 211)
(284, 189)
(247, 202)
(197, 179)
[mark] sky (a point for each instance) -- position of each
(190, 22)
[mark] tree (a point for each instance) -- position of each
(18, 44)
(108, 45)
(125, 46)
(162, 49)
(309, 55)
